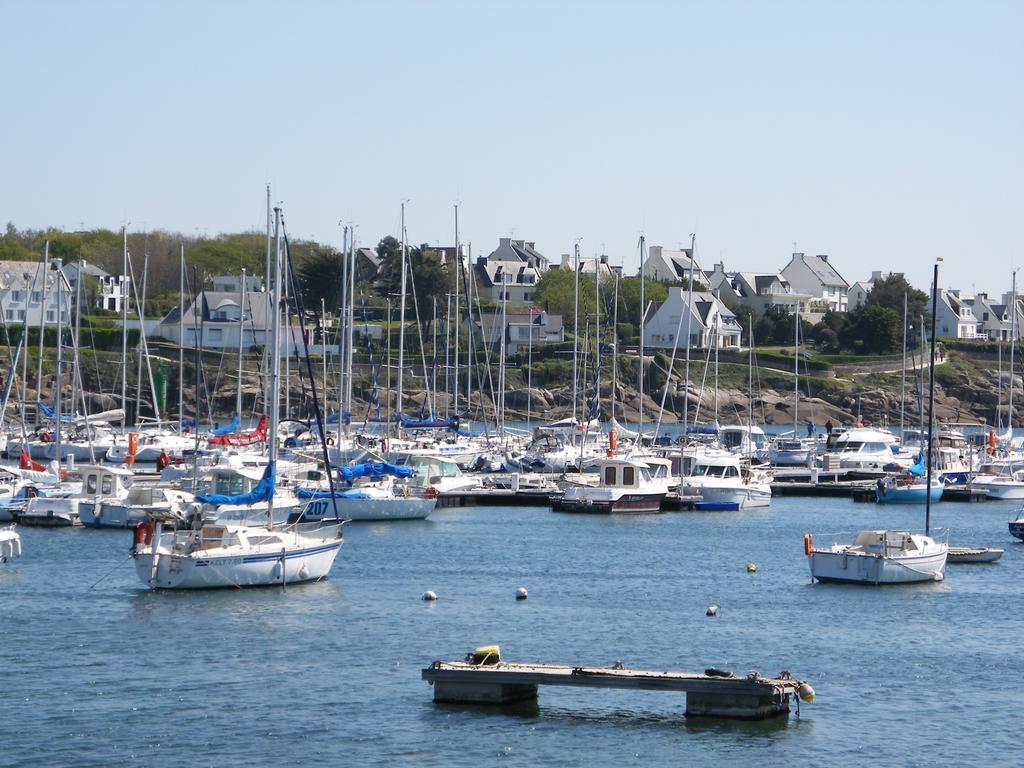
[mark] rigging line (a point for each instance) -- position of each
(297, 298)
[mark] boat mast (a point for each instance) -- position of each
(42, 317)
(1013, 344)
(615, 347)
(124, 327)
(275, 366)
(343, 319)
(458, 271)
(401, 323)
(60, 364)
(241, 344)
(500, 415)
(796, 372)
(76, 371)
(575, 332)
(643, 314)
(689, 337)
(903, 370)
(931, 404)
(181, 339)
(350, 345)
(267, 277)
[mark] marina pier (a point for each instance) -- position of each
(719, 694)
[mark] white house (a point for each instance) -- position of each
(673, 266)
(214, 317)
(954, 317)
(993, 319)
(710, 322)
(760, 291)
(28, 293)
(520, 327)
(513, 269)
(597, 264)
(815, 275)
(857, 295)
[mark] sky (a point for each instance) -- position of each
(885, 134)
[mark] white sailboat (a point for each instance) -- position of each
(216, 553)
(888, 557)
(10, 544)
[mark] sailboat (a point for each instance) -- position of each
(213, 552)
(10, 544)
(888, 557)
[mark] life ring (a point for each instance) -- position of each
(808, 544)
(330, 441)
(46, 437)
(430, 493)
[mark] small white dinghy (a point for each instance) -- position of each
(10, 544)
(973, 554)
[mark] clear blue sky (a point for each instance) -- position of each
(882, 133)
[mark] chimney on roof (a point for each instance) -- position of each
(823, 256)
(720, 267)
(505, 241)
(604, 258)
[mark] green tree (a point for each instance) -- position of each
(427, 274)
(319, 277)
(556, 293)
(889, 293)
(629, 297)
(873, 329)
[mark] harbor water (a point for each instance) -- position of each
(99, 670)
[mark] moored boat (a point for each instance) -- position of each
(624, 486)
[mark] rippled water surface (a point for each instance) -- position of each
(99, 671)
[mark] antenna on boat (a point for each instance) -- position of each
(931, 404)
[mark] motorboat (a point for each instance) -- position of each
(750, 442)
(10, 544)
(972, 555)
(879, 557)
(999, 486)
(625, 485)
(792, 452)
(726, 480)
(863, 448)
(101, 484)
(1017, 524)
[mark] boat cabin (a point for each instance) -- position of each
(104, 481)
(622, 473)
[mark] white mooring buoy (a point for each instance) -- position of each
(712, 610)
(430, 595)
(521, 593)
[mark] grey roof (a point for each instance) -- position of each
(824, 271)
(257, 309)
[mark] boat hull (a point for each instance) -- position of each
(744, 497)
(1000, 490)
(262, 569)
(1017, 529)
(866, 568)
(635, 503)
(909, 495)
(368, 510)
(50, 512)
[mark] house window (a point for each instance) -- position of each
(36, 296)
(216, 334)
(21, 314)
(984, 316)
(10, 314)
(16, 295)
(49, 316)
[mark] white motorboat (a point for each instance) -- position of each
(879, 557)
(999, 486)
(149, 445)
(749, 442)
(864, 448)
(625, 486)
(101, 484)
(51, 511)
(725, 480)
(10, 544)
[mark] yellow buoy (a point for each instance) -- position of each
(751, 568)
(805, 692)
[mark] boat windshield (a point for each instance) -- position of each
(709, 470)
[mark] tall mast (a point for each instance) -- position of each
(689, 335)
(401, 322)
(796, 373)
(275, 367)
(124, 327)
(181, 339)
(1013, 344)
(60, 364)
(643, 313)
(500, 405)
(903, 371)
(343, 309)
(282, 276)
(575, 330)
(78, 329)
(267, 276)
(350, 346)
(469, 331)
(931, 404)
(458, 271)
(241, 344)
(615, 346)
(42, 319)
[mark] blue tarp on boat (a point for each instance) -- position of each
(700, 429)
(346, 418)
(918, 469)
(231, 427)
(264, 491)
(49, 413)
(373, 469)
(408, 423)
(306, 493)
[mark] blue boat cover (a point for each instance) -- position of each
(373, 469)
(264, 491)
(452, 423)
(49, 413)
(231, 427)
(701, 429)
(918, 469)
(346, 418)
(188, 423)
(307, 493)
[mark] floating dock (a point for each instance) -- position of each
(720, 694)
